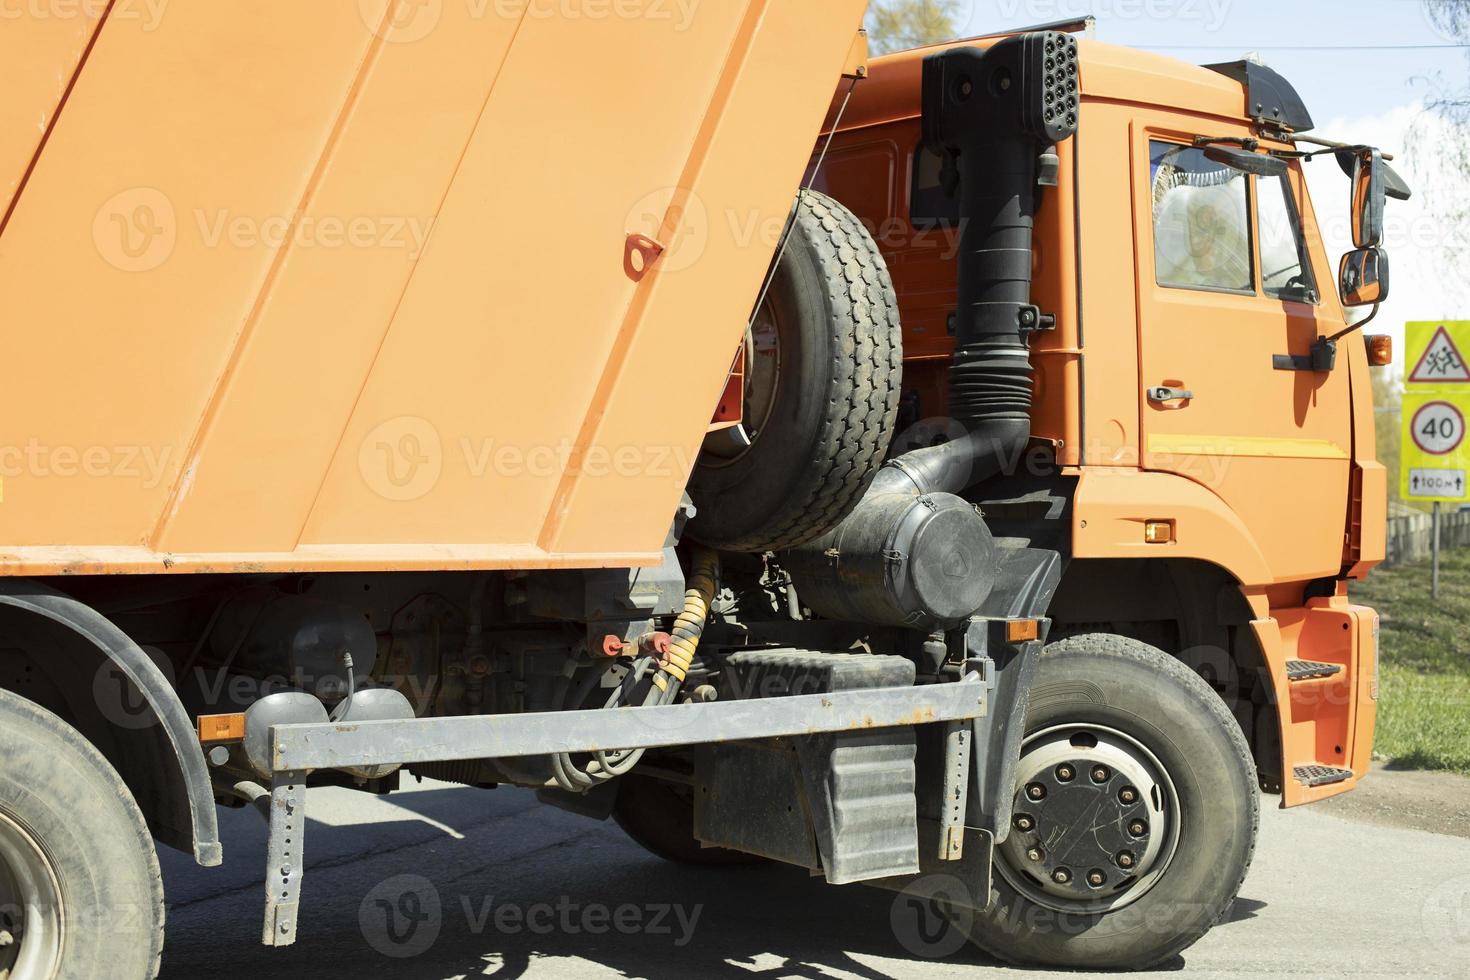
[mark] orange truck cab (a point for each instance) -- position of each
(493, 394)
(1170, 399)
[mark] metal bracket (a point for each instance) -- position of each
(283, 861)
(956, 790)
(1322, 358)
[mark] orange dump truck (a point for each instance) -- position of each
(956, 481)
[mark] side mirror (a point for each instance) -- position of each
(1363, 277)
(1368, 198)
(1260, 164)
(1394, 186)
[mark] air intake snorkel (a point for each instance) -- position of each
(913, 552)
(994, 116)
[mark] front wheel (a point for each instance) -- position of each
(1135, 812)
(80, 893)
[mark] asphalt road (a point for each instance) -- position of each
(521, 890)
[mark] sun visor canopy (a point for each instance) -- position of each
(1269, 98)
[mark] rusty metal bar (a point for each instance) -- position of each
(336, 746)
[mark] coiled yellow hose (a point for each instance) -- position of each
(689, 626)
(683, 642)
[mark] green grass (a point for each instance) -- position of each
(1424, 679)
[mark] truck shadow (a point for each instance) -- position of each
(444, 882)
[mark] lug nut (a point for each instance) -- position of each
(1100, 774)
(1036, 791)
(1024, 822)
(1125, 859)
(1035, 854)
(1065, 773)
(1095, 878)
(1128, 794)
(1061, 876)
(1138, 828)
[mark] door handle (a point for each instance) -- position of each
(1163, 394)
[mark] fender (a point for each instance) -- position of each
(1025, 583)
(189, 773)
(1027, 580)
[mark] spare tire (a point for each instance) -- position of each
(823, 372)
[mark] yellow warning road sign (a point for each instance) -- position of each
(1435, 453)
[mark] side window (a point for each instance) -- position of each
(1202, 237)
(1286, 272)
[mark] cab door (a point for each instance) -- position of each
(1226, 286)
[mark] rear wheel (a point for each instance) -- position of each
(659, 816)
(1135, 812)
(80, 892)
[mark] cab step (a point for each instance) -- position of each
(1306, 670)
(1320, 775)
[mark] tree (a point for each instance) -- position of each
(1388, 402)
(894, 25)
(1445, 129)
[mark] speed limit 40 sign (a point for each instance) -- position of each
(1438, 428)
(1436, 459)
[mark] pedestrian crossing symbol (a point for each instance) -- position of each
(1441, 362)
(1435, 447)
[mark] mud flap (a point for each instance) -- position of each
(852, 811)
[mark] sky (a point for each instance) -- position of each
(1363, 68)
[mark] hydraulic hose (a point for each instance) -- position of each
(689, 627)
(663, 684)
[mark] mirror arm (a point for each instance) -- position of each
(1323, 356)
(1244, 142)
(1332, 145)
(1354, 326)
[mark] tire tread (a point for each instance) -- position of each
(864, 385)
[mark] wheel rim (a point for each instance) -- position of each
(31, 912)
(762, 378)
(1095, 820)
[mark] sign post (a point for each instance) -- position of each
(1434, 574)
(1436, 453)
